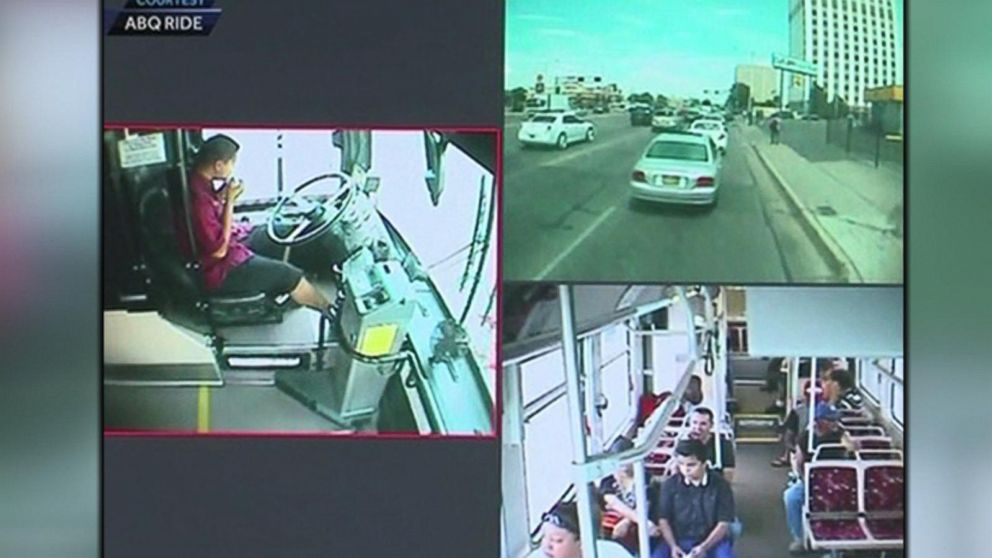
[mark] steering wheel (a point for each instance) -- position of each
(296, 219)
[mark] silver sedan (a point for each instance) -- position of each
(677, 168)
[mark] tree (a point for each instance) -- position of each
(645, 98)
(740, 96)
(818, 103)
(518, 99)
(661, 101)
(840, 108)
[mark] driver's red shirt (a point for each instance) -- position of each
(207, 216)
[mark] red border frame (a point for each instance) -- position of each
(497, 371)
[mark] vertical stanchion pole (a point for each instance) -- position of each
(640, 493)
(576, 420)
(850, 129)
(878, 145)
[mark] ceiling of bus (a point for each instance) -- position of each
(825, 321)
(533, 316)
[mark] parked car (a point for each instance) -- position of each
(714, 129)
(677, 168)
(664, 119)
(558, 129)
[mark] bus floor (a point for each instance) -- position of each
(202, 409)
(758, 498)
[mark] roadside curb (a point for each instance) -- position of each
(836, 257)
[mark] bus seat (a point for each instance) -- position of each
(832, 505)
(830, 452)
(884, 500)
(873, 442)
(175, 283)
(864, 431)
(880, 455)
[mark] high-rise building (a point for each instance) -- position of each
(761, 80)
(852, 43)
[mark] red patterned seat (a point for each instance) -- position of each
(885, 500)
(837, 530)
(610, 520)
(832, 505)
(833, 489)
(886, 529)
(658, 457)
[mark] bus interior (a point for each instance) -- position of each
(400, 223)
(584, 365)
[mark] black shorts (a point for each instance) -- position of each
(792, 422)
(261, 274)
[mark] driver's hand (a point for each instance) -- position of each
(234, 190)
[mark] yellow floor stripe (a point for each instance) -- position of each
(203, 410)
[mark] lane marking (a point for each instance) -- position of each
(575, 244)
(592, 148)
(203, 410)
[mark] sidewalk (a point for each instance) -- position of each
(855, 209)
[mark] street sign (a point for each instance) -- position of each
(796, 65)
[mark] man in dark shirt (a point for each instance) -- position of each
(701, 423)
(839, 386)
(796, 420)
(701, 428)
(223, 248)
(695, 509)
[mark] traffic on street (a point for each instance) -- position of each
(587, 212)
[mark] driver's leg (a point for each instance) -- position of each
(308, 295)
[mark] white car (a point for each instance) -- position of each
(665, 119)
(561, 130)
(678, 168)
(714, 129)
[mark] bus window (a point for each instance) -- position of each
(617, 384)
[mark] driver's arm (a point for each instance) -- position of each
(221, 252)
(231, 195)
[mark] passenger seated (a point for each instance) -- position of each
(695, 510)
(701, 428)
(796, 421)
(618, 495)
(692, 397)
(840, 390)
(560, 536)
(826, 430)
(226, 254)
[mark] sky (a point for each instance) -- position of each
(676, 48)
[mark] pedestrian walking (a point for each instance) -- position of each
(775, 127)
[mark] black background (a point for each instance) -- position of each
(431, 63)
(436, 63)
(300, 497)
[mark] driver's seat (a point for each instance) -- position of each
(176, 282)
